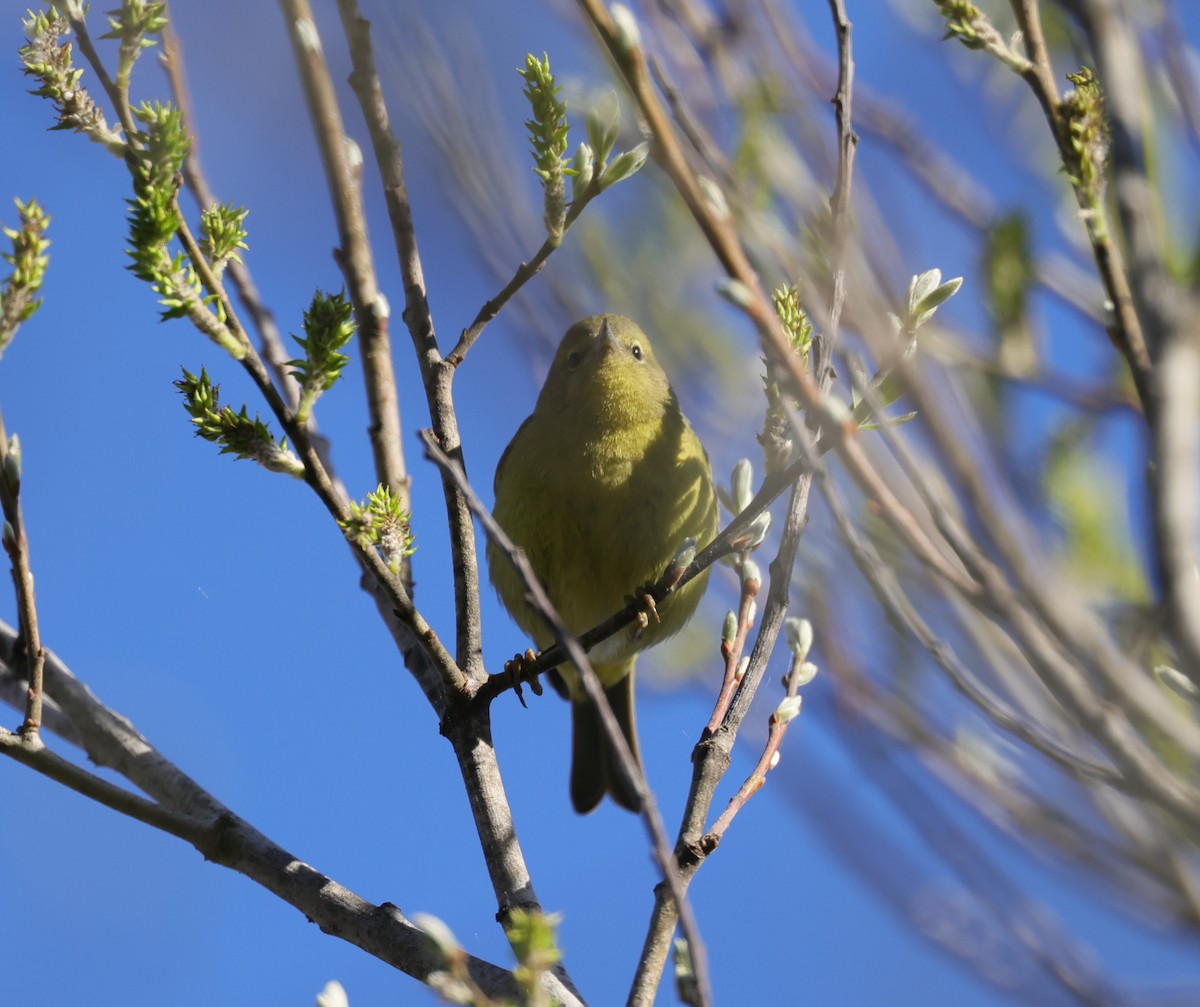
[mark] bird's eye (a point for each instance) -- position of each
(573, 358)
(636, 350)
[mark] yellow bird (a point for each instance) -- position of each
(600, 487)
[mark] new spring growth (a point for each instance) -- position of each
(328, 326)
(1086, 128)
(222, 235)
(805, 673)
(787, 710)
(799, 636)
(714, 196)
(740, 490)
(735, 292)
(29, 260)
(532, 937)
(548, 131)
(793, 318)
(776, 436)
(629, 35)
(236, 433)
(381, 523)
(686, 987)
(585, 170)
(440, 935)
(333, 995)
(968, 24)
(625, 165)
(680, 561)
(729, 628)
(603, 127)
(926, 293)
(12, 467)
(131, 24)
(47, 59)
(751, 577)
(736, 499)
(965, 22)
(9, 537)
(1177, 682)
(155, 220)
(742, 666)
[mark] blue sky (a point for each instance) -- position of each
(215, 605)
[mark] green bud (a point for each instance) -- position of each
(624, 165)
(440, 934)
(9, 537)
(686, 987)
(787, 710)
(751, 575)
(926, 293)
(683, 556)
(741, 492)
(12, 465)
(1177, 682)
(603, 126)
(729, 628)
(629, 36)
(585, 170)
(805, 673)
(714, 196)
(735, 292)
(333, 995)
(742, 665)
(799, 634)
(757, 530)
(532, 938)
(354, 156)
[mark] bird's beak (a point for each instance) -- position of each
(606, 342)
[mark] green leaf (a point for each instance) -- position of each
(328, 326)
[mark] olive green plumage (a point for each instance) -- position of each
(600, 486)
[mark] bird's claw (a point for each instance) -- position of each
(518, 669)
(648, 608)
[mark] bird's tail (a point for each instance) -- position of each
(594, 765)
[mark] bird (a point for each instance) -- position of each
(601, 486)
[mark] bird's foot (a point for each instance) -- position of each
(648, 608)
(519, 671)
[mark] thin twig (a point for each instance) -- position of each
(16, 544)
(525, 272)
(731, 652)
(777, 726)
(14, 692)
(31, 751)
(839, 203)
